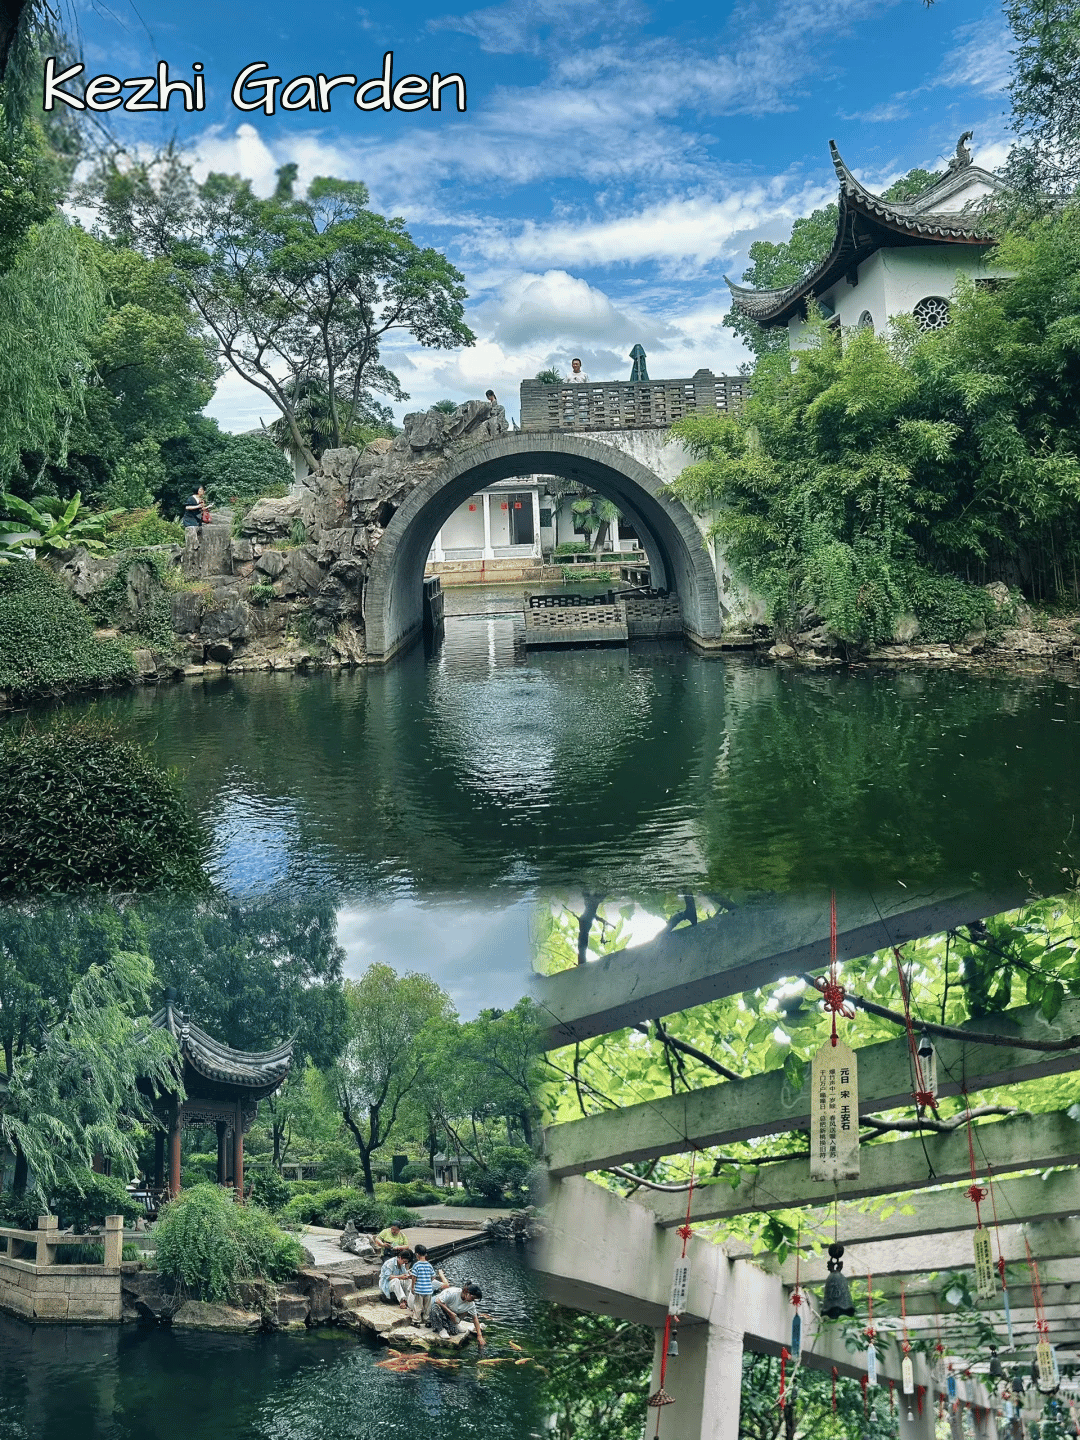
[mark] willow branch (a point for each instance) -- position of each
(944, 1126)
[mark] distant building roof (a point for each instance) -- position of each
(945, 214)
(212, 1069)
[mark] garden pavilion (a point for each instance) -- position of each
(223, 1088)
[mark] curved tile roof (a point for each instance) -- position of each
(867, 223)
(257, 1071)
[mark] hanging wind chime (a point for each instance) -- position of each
(907, 1368)
(1048, 1376)
(985, 1283)
(680, 1286)
(923, 1056)
(797, 1300)
(834, 1118)
(871, 1352)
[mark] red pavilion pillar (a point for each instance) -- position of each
(238, 1152)
(175, 1112)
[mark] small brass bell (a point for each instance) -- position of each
(837, 1299)
(673, 1348)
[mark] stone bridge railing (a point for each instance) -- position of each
(628, 404)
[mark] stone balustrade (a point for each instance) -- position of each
(36, 1284)
(628, 404)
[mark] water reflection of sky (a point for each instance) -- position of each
(255, 840)
(477, 950)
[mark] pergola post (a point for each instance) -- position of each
(222, 1158)
(704, 1380)
(159, 1159)
(238, 1152)
(985, 1424)
(175, 1116)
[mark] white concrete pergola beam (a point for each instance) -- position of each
(917, 1256)
(1054, 1197)
(1026, 1142)
(750, 947)
(737, 1110)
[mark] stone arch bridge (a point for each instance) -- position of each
(611, 438)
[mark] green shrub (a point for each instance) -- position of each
(261, 593)
(207, 1244)
(573, 547)
(82, 807)
(250, 468)
(110, 604)
(87, 1253)
(138, 529)
(19, 1211)
(268, 1189)
(47, 642)
(417, 1172)
(506, 1176)
(416, 1192)
(336, 1206)
(101, 1195)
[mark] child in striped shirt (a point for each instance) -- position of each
(423, 1284)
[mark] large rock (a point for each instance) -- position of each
(271, 519)
(271, 563)
(145, 1296)
(230, 622)
(204, 1315)
(207, 551)
(316, 1287)
(302, 574)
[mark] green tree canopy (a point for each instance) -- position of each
(385, 1057)
(293, 288)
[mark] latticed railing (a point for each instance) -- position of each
(628, 404)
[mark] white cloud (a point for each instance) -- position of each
(557, 305)
(981, 60)
(887, 111)
(696, 230)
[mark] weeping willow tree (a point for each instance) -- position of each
(75, 1094)
(50, 301)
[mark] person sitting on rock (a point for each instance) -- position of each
(393, 1278)
(449, 1305)
(390, 1238)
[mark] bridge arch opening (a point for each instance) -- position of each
(393, 601)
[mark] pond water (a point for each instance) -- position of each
(480, 768)
(145, 1383)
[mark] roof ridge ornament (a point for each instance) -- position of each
(962, 159)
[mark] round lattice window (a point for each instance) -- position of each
(866, 321)
(932, 313)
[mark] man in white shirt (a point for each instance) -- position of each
(449, 1305)
(577, 375)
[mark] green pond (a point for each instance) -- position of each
(481, 769)
(147, 1383)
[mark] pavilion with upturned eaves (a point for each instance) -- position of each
(223, 1088)
(890, 257)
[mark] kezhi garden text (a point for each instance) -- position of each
(253, 89)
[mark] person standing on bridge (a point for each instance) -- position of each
(577, 375)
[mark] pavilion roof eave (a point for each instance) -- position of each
(865, 223)
(257, 1072)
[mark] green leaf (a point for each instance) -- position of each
(1053, 995)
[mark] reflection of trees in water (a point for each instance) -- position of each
(621, 771)
(862, 777)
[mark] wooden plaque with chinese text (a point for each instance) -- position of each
(834, 1114)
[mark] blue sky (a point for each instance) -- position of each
(614, 161)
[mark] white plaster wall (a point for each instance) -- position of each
(892, 282)
(465, 527)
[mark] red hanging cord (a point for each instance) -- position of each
(870, 1305)
(832, 992)
(864, 1383)
(903, 1313)
(975, 1191)
(923, 1096)
(1036, 1290)
(785, 1356)
(835, 1372)
(661, 1397)
(997, 1225)
(919, 1394)
(796, 1294)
